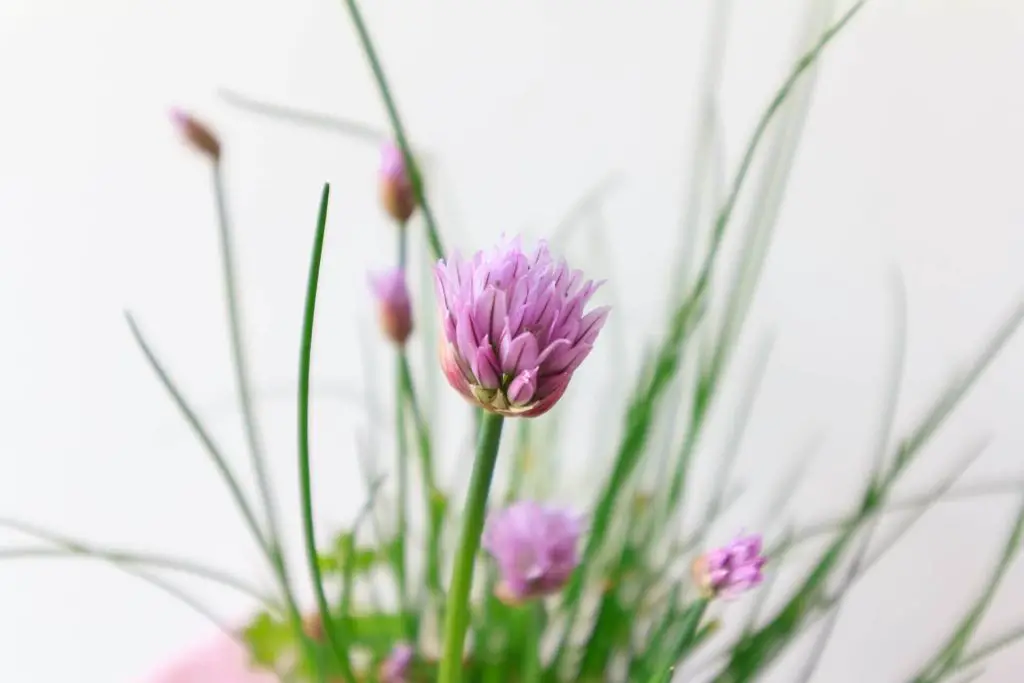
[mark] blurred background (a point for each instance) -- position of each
(911, 160)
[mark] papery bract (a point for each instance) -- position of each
(732, 569)
(535, 547)
(515, 329)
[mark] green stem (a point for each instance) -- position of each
(457, 612)
(402, 438)
(240, 364)
(433, 234)
(430, 490)
(531, 654)
(303, 118)
(305, 477)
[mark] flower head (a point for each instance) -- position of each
(514, 327)
(395, 668)
(197, 134)
(732, 569)
(395, 184)
(535, 548)
(395, 306)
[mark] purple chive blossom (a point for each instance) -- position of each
(731, 570)
(396, 191)
(514, 327)
(535, 548)
(395, 306)
(395, 668)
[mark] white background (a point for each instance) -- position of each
(912, 158)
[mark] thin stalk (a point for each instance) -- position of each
(531, 654)
(433, 234)
(219, 461)
(457, 612)
(274, 559)
(124, 564)
(126, 561)
(430, 490)
(239, 358)
(302, 117)
(305, 477)
(402, 446)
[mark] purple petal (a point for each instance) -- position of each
(485, 367)
(591, 324)
(518, 354)
(466, 340)
(523, 387)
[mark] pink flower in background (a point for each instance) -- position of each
(223, 660)
(535, 547)
(394, 304)
(395, 668)
(731, 570)
(514, 326)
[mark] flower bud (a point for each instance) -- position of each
(196, 134)
(394, 304)
(731, 570)
(535, 548)
(397, 195)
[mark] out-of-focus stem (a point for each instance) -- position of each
(433, 234)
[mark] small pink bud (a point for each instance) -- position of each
(196, 134)
(395, 306)
(395, 184)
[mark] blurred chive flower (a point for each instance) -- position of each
(395, 307)
(196, 134)
(515, 330)
(730, 570)
(535, 548)
(395, 669)
(397, 195)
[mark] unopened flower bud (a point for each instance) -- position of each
(731, 570)
(397, 194)
(196, 134)
(395, 669)
(535, 548)
(394, 304)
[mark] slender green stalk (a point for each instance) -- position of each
(431, 494)
(240, 360)
(130, 566)
(242, 381)
(303, 118)
(457, 613)
(433, 234)
(402, 444)
(531, 654)
(128, 561)
(204, 436)
(305, 477)
(274, 559)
